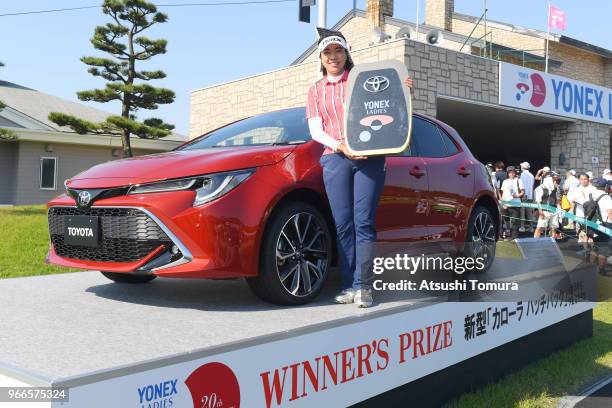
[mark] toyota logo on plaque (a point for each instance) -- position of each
(379, 107)
(376, 84)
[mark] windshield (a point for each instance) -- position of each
(281, 127)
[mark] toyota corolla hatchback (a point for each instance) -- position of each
(247, 200)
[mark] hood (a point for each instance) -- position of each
(176, 164)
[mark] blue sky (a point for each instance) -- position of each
(208, 45)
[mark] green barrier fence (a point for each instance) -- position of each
(561, 213)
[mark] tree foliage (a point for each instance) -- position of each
(5, 134)
(121, 38)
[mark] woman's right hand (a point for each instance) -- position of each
(342, 148)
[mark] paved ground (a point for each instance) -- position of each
(599, 395)
(62, 325)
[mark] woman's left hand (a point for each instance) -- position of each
(408, 81)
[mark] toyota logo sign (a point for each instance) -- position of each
(84, 198)
(376, 83)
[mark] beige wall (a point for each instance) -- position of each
(608, 73)
(71, 159)
(577, 64)
(501, 36)
(280, 89)
(436, 70)
(438, 13)
(357, 34)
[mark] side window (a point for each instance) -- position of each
(451, 147)
(410, 151)
(428, 140)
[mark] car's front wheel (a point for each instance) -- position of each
(128, 278)
(481, 237)
(296, 254)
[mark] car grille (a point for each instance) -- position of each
(128, 234)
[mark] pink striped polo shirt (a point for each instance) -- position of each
(326, 99)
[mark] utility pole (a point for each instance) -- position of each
(322, 13)
(416, 34)
(485, 27)
(547, 35)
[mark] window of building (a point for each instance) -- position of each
(48, 173)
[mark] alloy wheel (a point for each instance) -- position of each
(302, 254)
(483, 237)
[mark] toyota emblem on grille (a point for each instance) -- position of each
(84, 198)
(376, 83)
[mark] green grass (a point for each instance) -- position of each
(25, 241)
(604, 288)
(507, 249)
(544, 383)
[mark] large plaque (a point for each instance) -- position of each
(379, 118)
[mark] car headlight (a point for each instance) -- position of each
(216, 185)
(207, 187)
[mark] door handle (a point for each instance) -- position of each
(462, 171)
(417, 172)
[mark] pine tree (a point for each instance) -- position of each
(5, 134)
(122, 39)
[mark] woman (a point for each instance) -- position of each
(353, 183)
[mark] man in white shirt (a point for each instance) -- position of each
(577, 198)
(546, 193)
(512, 190)
(543, 172)
(527, 213)
(580, 194)
(601, 248)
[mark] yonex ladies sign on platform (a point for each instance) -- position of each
(379, 109)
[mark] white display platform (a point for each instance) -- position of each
(186, 343)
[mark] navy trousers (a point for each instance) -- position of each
(353, 188)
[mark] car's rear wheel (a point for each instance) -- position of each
(128, 278)
(296, 254)
(481, 237)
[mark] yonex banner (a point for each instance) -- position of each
(526, 88)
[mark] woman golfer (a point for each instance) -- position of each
(353, 183)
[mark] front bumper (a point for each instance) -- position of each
(133, 239)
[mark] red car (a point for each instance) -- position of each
(247, 200)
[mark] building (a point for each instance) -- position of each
(33, 167)
(466, 72)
